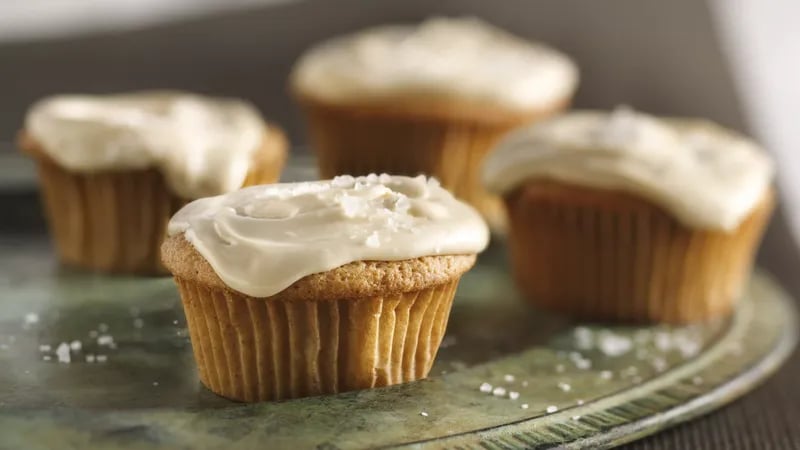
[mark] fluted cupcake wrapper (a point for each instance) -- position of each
(357, 142)
(252, 349)
(107, 221)
(612, 257)
(115, 220)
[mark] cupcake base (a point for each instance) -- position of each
(256, 349)
(448, 141)
(607, 255)
(111, 221)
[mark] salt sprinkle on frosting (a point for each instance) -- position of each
(243, 235)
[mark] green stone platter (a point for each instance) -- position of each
(97, 362)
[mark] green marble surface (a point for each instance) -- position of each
(132, 383)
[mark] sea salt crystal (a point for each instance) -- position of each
(373, 240)
(101, 358)
(75, 345)
(499, 391)
(31, 318)
(343, 181)
(576, 417)
(659, 364)
(583, 364)
(551, 409)
(579, 402)
(90, 358)
(513, 395)
(614, 345)
(485, 388)
(351, 206)
(580, 361)
(687, 346)
(105, 339)
(508, 378)
(44, 348)
(423, 414)
(524, 406)
(663, 341)
(564, 386)
(62, 352)
(583, 338)
(46, 358)
(606, 374)
(155, 383)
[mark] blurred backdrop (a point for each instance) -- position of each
(727, 60)
(662, 57)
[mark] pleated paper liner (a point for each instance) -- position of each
(254, 349)
(115, 221)
(107, 221)
(607, 255)
(447, 143)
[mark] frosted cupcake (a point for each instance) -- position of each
(113, 169)
(431, 98)
(631, 217)
(321, 287)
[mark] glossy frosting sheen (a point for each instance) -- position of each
(706, 176)
(462, 58)
(202, 145)
(261, 239)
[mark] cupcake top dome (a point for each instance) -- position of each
(706, 176)
(462, 59)
(202, 145)
(259, 240)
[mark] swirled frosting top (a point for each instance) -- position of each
(259, 240)
(460, 58)
(202, 145)
(706, 176)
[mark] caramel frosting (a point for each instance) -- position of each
(706, 176)
(259, 240)
(456, 58)
(202, 145)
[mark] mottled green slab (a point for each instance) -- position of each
(602, 385)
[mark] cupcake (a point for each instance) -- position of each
(114, 168)
(302, 289)
(431, 98)
(624, 216)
